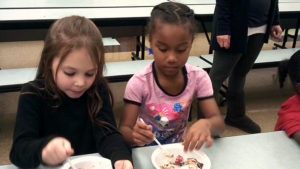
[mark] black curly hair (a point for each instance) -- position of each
(172, 13)
(290, 67)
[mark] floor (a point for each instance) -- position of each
(263, 96)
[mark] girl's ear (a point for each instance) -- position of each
(150, 42)
(150, 38)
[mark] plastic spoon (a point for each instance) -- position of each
(158, 143)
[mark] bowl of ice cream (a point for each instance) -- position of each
(176, 158)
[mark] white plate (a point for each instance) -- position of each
(158, 157)
(89, 162)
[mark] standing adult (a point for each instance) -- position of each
(241, 27)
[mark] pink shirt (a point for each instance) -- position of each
(168, 114)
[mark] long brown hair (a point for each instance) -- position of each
(64, 36)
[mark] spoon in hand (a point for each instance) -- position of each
(158, 143)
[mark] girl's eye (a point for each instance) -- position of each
(89, 74)
(162, 50)
(69, 74)
(181, 50)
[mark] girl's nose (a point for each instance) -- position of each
(79, 82)
(171, 57)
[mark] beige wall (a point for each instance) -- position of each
(20, 54)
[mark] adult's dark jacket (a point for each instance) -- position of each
(231, 18)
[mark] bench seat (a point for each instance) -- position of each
(13, 79)
(266, 58)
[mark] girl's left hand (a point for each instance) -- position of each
(198, 133)
(123, 164)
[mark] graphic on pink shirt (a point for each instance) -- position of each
(169, 121)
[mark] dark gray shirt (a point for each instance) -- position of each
(258, 12)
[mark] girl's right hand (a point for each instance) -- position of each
(123, 164)
(56, 151)
(142, 133)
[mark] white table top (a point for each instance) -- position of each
(266, 56)
(288, 1)
(102, 3)
(77, 3)
(273, 150)
(203, 2)
(56, 13)
(108, 41)
(109, 10)
(289, 7)
(113, 69)
(196, 2)
(92, 13)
